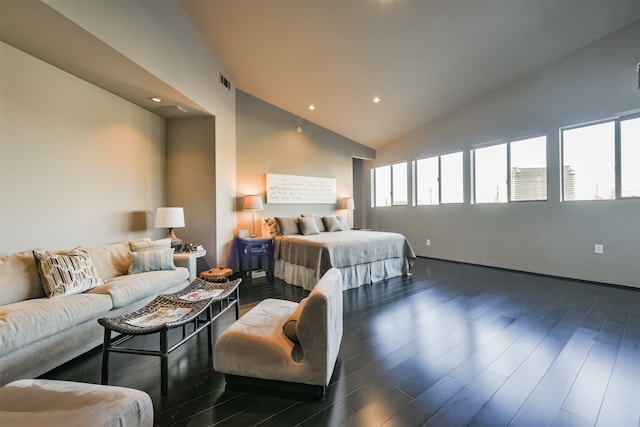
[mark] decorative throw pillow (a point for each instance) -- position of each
(318, 219)
(269, 227)
(308, 226)
(331, 223)
(66, 273)
(289, 327)
(287, 226)
(149, 245)
(344, 223)
(151, 260)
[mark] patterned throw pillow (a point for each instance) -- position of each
(66, 273)
(151, 260)
(149, 245)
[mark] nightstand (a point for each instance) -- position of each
(190, 261)
(258, 249)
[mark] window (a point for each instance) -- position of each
(630, 157)
(427, 186)
(383, 185)
(389, 185)
(400, 194)
(451, 178)
(490, 177)
(439, 179)
(511, 171)
(528, 158)
(588, 162)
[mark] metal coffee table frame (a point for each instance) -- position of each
(201, 316)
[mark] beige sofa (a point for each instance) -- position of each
(291, 343)
(38, 333)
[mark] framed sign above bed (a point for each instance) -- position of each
(300, 189)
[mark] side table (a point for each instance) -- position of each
(259, 248)
(190, 261)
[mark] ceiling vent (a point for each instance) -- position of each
(225, 82)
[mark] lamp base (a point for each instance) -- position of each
(176, 243)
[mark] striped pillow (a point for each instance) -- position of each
(66, 273)
(151, 260)
(149, 245)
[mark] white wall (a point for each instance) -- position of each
(550, 237)
(78, 165)
(268, 143)
(160, 37)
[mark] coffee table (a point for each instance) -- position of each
(200, 316)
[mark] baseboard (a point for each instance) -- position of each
(552, 276)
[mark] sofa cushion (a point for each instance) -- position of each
(151, 260)
(290, 325)
(54, 403)
(25, 322)
(129, 288)
(110, 260)
(19, 278)
(66, 273)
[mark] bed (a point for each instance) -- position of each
(363, 257)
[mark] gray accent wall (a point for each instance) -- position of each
(78, 165)
(552, 237)
(267, 142)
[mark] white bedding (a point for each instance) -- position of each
(363, 257)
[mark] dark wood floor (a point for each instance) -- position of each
(452, 345)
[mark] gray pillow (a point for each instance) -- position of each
(331, 223)
(288, 226)
(318, 219)
(344, 223)
(308, 226)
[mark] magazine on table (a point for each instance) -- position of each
(159, 317)
(200, 294)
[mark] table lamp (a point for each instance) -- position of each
(347, 203)
(253, 203)
(171, 218)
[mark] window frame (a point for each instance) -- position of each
(439, 177)
(617, 144)
(507, 142)
(374, 184)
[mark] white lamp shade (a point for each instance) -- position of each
(169, 217)
(347, 203)
(252, 203)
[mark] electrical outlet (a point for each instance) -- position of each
(428, 242)
(598, 249)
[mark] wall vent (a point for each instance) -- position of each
(225, 82)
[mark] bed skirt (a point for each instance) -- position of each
(352, 276)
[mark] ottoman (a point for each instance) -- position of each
(54, 403)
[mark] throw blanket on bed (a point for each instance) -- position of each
(322, 251)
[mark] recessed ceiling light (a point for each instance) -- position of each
(312, 107)
(376, 99)
(155, 99)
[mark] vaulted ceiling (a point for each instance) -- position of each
(423, 58)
